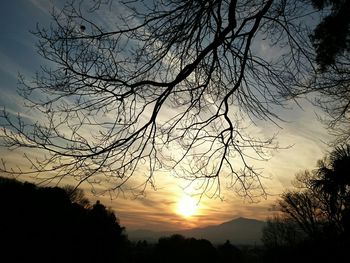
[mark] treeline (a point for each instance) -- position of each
(52, 224)
(312, 223)
(177, 248)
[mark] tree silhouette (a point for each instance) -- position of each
(180, 249)
(304, 209)
(77, 196)
(334, 182)
(170, 85)
(331, 36)
(323, 195)
(281, 232)
(229, 253)
(41, 224)
(331, 39)
(317, 212)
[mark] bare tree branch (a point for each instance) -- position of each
(170, 85)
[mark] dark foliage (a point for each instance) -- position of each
(331, 41)
(177, 248)
(43, 225)
(51, 224)
(229, 253)
(314, 222)
(331, 36)
(180, 249)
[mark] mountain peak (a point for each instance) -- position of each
(241, 220)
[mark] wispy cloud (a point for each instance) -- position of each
(45, 6)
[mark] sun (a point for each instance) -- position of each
(187, 206)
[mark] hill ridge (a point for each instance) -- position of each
(240, 230)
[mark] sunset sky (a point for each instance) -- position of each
(160, 209)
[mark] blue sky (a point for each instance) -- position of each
(301, 129)
(17, 46)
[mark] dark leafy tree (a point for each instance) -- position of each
(317, 211)
(170, 85)
(180, 249)
(229, 253)
(332, 180)
(42, 224)
(331, 40)
(332, 35)
(322, 197)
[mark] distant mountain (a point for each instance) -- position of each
(239, 231)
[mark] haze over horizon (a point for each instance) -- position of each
(238, 231)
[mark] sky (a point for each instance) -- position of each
(158, 209)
